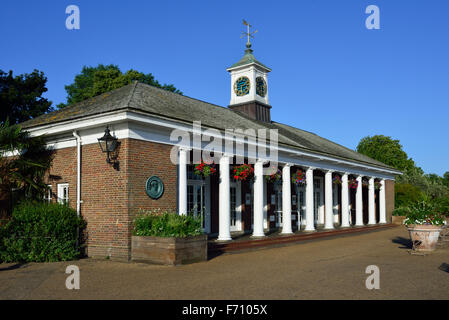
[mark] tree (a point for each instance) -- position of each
(93, 81)
(386, 150)
(24, 160)
(21, 96)
(446, 179)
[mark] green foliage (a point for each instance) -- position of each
(41, 232)
(166, 224)
(422, 212)
(25, 171)
(406, 194)
(413, 185)
(386, 150)
(21, 96)
(93, 81)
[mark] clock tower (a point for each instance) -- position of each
(249, 85)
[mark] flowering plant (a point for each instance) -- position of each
(353, 183)
(205, 169)
(423, 213)
(365, 183)
(336, 179)
(275, 175)
(299, 178)
(243, 172)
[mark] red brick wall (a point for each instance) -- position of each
(389, 198)
(110, 197)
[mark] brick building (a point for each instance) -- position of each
(156, 131)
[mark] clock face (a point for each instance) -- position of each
(261, 86)
(241, 86)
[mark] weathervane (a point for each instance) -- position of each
(247, 33)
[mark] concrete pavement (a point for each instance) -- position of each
(319, 269)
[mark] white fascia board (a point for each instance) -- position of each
(91, 128)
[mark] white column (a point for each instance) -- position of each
(310, 223)
(371, 212)
(182, 181)
(344, 200)
(286, 200)
(382, 208)
(359, 203)
(224, 201)
(258, 200)
(328, 203)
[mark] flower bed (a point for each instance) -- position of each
(168, 238)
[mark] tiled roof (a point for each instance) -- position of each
(151, 100)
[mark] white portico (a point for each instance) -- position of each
(341, 189)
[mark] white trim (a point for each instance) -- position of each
(124, 124)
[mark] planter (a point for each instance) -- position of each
(425, 237)
(169, 251)
(398, 220)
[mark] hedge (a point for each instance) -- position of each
(41, 232)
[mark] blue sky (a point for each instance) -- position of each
(331, 75)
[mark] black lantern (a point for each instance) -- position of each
(107, 144)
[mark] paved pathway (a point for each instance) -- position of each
(320, 269)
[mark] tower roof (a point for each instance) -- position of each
(248, 58)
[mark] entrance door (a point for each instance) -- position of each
(301, 198)
(236, 206)
(318, 200)
(198, 201)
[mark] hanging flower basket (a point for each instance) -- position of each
(353, 183)
(336, 180)
(275, 176)
(299, 178)
(204, 169)
(365, 183)
(243, 172)
(377, 185)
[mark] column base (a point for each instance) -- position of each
(286, 233)
(329, 228)
(226, 239)
(258, 236)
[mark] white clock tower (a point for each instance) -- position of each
(249, 86)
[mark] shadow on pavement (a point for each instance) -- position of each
(405, 242)
(12, 267)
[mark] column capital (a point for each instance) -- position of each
(310, 168)
(226, 155)
(288, 164)
(329, 171)
(183, 148)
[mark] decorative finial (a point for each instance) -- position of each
(248, 34)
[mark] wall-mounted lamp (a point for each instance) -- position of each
(107, 143)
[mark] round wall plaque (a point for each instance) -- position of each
(154, 187)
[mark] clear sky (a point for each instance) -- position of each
(331, 75)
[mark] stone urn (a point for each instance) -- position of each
(424, 237)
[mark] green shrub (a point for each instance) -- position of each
(406, 194)
(41, 232)
(166, 224)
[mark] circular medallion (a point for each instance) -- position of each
(154, 187)
(261, 86)
(241, 86)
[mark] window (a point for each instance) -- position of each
(48, 194)
(63, 193)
